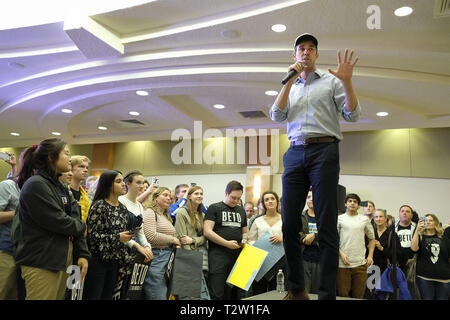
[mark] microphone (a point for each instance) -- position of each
(290, 74)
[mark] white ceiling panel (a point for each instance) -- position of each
(192, 54)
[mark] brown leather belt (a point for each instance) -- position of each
(302, 142)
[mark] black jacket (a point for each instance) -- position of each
(48, 221)
(380, 257)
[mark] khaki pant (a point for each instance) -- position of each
(353, 279)
(42, 284)
(8, 281)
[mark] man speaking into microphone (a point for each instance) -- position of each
(311, 102)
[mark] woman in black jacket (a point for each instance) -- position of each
(383, 241)
(50, 229)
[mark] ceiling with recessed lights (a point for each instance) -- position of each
(139, 72)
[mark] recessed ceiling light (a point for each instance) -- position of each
(403, 11)
(382, 114)
(56, 133)
(271, 92)
(133, 113)
(142, 93)
(102, 128)
(15, 134)
(66, 110)
(219, 106)
(279, 28)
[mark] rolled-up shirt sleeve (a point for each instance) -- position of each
(339, 98)
(352, 116)
(278, 115)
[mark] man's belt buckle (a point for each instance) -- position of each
(299, 142)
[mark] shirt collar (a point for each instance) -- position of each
(318, 73)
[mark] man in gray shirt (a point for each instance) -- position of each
(311, 104)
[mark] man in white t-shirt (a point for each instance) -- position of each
(352, 272)
(135, 186)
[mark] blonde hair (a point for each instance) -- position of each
(193, 212)
(437, 225)
(151, 203)
(77, 160)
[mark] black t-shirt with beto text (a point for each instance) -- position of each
(228, 221)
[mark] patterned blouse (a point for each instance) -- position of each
(105, 223)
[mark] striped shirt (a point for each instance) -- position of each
(158, 231)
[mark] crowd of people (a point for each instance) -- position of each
(52, 216)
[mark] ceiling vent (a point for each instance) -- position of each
(130, 123)
(253, 114)
(441, 9)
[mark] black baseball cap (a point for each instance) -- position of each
(305, 37)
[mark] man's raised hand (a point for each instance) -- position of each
(344, 71)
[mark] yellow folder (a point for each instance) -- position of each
(246, 267)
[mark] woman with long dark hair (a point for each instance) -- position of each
(50, 228)
(106, 237)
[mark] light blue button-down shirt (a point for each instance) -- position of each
(314, 106)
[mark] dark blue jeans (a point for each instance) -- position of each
(433, 290)
(155, 286)
(315, 165)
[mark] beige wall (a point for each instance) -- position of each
(81, 149)
(154, 158)
(397, 152)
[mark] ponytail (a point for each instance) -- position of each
(26, 165)
(40, 157)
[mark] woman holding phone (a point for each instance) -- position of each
(134, 182)
(433, 264)
(107, 237)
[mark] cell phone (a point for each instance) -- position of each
(136, 230)
(193, 184)
(364, 203)
(5, 156)
(424, 219)
(155, 180)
